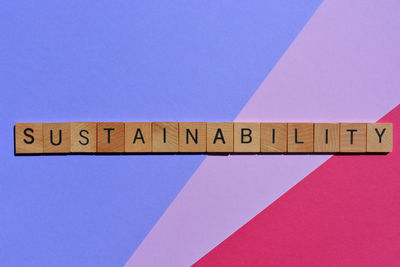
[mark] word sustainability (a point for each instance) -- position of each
(202, 137)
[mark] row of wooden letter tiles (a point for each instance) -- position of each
(201, 137)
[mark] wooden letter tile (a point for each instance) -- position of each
(379, 137)
(300, 137)
(83, 137)
(192, 137)
(56, 138)
(273, 137)
(220, 137)
(138, 137)
(110, 137)
(353, 137)
(165, 137)
(326, 137)
(28, 138)
(246, 137)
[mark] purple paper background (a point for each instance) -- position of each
(119, 61)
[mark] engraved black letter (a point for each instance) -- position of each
(219, 135)
(25, 133)
(351, 134)
(188, 132)
(295, 137)
(59, 139)
(273, 135)
(246, 135)
(109, 133)
(380, 134)
(87, 139)
(326, 136)
(139, 135)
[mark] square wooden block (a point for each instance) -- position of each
(83, 137)
(220, 137)
(326, 137)
(138, 137)
(379, 137)
(165, 137)
(246, 137)
(28, 138)
(110, 137)
(353, 137)
(56, 138)
(192, 137)
(273, 137)
(300, 137)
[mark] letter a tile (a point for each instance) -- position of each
(138, 137)
(220, 137)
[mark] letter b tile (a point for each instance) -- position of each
(246, 137)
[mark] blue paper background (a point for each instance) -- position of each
(119, 61)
